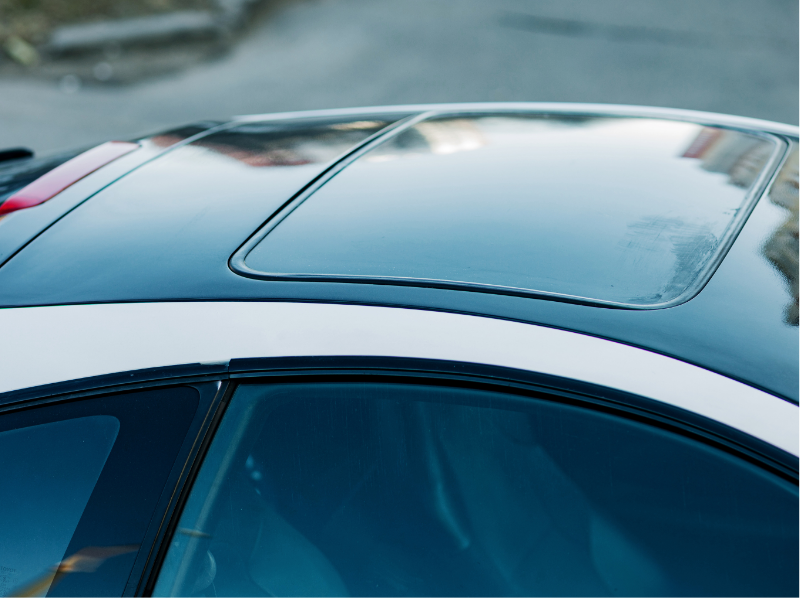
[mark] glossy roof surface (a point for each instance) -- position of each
(623, 211)
(164, 223)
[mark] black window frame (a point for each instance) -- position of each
(522, 383)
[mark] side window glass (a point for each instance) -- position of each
(371, 489)
(81, 480)
(49, 472)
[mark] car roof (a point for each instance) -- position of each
(641, 226)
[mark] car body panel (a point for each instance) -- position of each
(190, 209)
(135, 336)
(20, 227)
(166, 231)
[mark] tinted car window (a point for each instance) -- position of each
(370, 489)
(49, 472)
(81, 481)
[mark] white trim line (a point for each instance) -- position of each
(50, 344)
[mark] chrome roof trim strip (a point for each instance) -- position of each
(610, 110)
(44, 345)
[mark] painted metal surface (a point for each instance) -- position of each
(65, 175)
(167, 230)
(50, 344)
(18, 228)
(195, 204)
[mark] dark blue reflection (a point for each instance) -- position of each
(630, 211)
(386, 490)
(289, 144)
(48, 474)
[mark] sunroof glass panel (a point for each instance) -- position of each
(625, 211)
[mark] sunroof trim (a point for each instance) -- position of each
(237, 262)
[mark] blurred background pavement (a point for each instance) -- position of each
(730, 56)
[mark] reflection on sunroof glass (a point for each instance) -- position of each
(625, 211)
(279, 145)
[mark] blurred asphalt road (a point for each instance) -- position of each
(730, 56)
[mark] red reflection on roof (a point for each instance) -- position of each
(63, 176)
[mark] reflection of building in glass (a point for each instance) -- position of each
(781, 248)
(449, 137)
(741, 157)
(174, 136)
(445, 136)
(282, 145)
